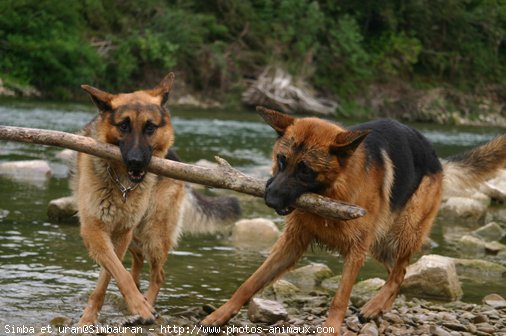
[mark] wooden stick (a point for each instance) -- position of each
(224, 177)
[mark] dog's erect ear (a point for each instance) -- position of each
(345, 143)
(101, 98)
(163, 88)
(277, 120)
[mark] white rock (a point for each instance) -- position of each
(463, 207)
(62, 210)
(479, 269)
(494, 300)
(490, 232)
(66, 155)
(471, 246)
(255, 232)
(310, 276)
(266, 311)
(363, 291)
(434, 277)
(26, 171)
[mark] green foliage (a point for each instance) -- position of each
(41, 44)
(343, 61)
(397, 54)
(340, 46)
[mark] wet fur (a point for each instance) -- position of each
(151, 219)
(385, 167)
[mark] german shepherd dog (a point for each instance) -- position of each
(123, 206)
(385, 167)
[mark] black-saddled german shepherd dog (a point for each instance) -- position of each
(385, 167)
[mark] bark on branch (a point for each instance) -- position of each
(224, 177)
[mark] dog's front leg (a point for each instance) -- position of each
(96, 299)
(352, 264)
(287, 250)
(101, 248)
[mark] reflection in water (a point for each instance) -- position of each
(45, 270)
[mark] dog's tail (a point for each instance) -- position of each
(469, 169)
(208, 214)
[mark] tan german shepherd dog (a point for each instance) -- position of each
(123, 206)
(385, 167)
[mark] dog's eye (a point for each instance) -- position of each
(281, 162)
(150, 128)
(124, 126)
(304, 172)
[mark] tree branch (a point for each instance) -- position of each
(224, 177)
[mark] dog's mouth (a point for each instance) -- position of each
(284, 211)
(136, 176)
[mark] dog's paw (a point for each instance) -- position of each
(362, 318)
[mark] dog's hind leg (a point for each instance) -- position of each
(96, 299)
(137, 262)
(353, 261)
(156, 277)
(287, 250)
(405, 238)
(385, 298)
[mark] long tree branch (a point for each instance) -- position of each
(224, 176)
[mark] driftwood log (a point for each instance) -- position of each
(224, 176)
(277, 89)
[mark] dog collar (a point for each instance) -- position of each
(124, 190)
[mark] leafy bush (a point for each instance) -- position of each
(339, 46)
(42, 45)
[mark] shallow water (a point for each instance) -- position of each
(44, 268)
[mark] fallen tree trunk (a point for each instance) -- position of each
(224, 177)
(277, 89)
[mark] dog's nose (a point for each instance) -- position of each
(273, 199)
(135, 159)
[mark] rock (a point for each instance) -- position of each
(494, 247)
(206, 163)
(470, 245)
(485, 328)
(310, 276)
(490, 232)
(480, 318)
(495, 301)
(190, 100)
(284, 290)
(369, 329)
(433, 277)
(479, 269)
(438, 331)
(62, 210)
(463, 207)
(4, 213)
(331, 284)
(363, 291)
(60, 321)
(31, 171)
(4, 91)
(457, 326)
(255, 232)
(496, 187)
(66, 155)
(266, 311)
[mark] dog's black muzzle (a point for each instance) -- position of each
(136, 160)
(279, 196)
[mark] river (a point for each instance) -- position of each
(46, 272)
